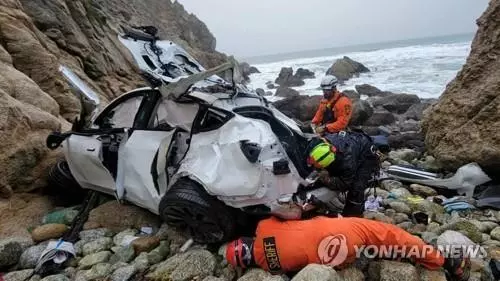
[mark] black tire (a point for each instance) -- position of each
(187, 205)
(63, 185)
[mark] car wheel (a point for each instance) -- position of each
(63, 185)
(187, 205)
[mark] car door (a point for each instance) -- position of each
(92, 155)
(150, 150)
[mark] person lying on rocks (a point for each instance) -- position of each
(283, 247)
(334, 111)
(346, 162)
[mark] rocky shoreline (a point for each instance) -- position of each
(112, 246)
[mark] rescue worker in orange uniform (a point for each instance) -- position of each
(282, 247)
(334, 111)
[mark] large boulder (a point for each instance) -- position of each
(397, 103)
(371, 91)
(299, 107)
(286, 78)
(21, 213)
(362, 111)
(37, 36)
(346, 68)
(303, 73)
(380, 117)
(463, 126)
(286, 92)
(247, 70)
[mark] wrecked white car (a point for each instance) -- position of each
(201, 152)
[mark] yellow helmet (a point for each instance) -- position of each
(322, 155)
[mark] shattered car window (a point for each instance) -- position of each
(122, 116)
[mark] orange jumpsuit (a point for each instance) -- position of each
(288, 246)
(339, 115)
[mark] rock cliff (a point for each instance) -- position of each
(37, 35)
(464, 125)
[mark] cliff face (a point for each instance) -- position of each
(36, 36)
(464, 126)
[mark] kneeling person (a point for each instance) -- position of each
(350, 160)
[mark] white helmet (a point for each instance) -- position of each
(329, 82)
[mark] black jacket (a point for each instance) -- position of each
(355, 160)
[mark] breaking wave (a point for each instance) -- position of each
(424, 70)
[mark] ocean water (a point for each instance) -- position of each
(419, 66)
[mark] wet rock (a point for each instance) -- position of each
(416, 111)
(353, 95)
(487, 226)
(401, 193)
(118, 217)
(159, 253)
(118, 239)
(287, 79)
(442, 218)
(270, 85)
(389, 185)
(254, 274)
(145, 244)
(303, 73)
(56, 277)
(213, 278)
(422, 190)
(431, 275)
(48, 231)
(98, 245)
(260, 91)
(141, 262)
(346, 68)
(465, 227)
(70, 272)
(429, 237)
(485, 237)
(397, 103)
(124, 273)
(404, 154)
(433, 227)
(11, 250)
(352, 274)
(94, 234)
(93, 259)
(405, 225)
(417, 229)
(378, 217)
(392, 271)
(317, 272)
(98, 271)
(362, 111)
(379, 192)
(370, 91)
(185, 266)
(30, 256)
(390, 213)
(300, 107)
(400, 217)
(495, 233)
(426, 206)
(225, 271)
(429, 164)
(286, 92)
(400, 207)
(380, 117)
(123, 254)
(410, 140)
(21, 275)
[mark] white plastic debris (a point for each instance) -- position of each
(147, 230)
(186, 245)
(127, 239)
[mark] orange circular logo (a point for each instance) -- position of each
(332, 250)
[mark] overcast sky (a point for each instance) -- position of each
(258, 27)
